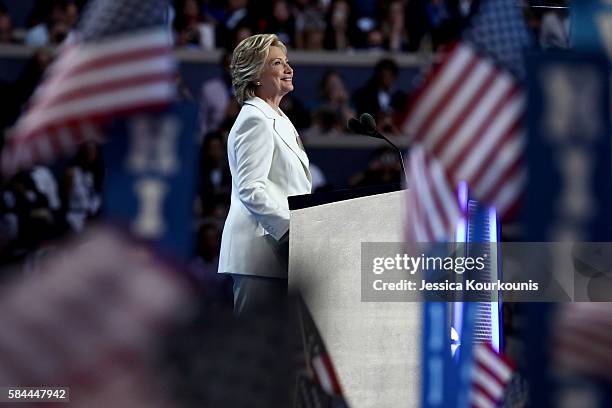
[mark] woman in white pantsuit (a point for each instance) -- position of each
(268, 164)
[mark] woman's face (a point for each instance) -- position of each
(276, 76)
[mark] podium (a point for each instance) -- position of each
(375, 346)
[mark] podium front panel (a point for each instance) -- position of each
(375, 346)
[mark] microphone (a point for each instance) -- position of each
(356, 127)
(369, 123)
(366, 125)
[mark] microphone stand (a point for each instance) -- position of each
(375, 133)
(369, 129)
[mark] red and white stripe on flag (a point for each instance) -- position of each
(79, 320)
(325, 374)
(434, 209)
(89, 83)
(468, 113)
(490, 377)
(582, 341)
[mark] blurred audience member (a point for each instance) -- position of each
(313, 33)
(192, 28)
(435, 21)
(186, 23)
(9, 230)
(72, 12)
(309, 24)
(82, 188)
(216, 287)
(380, 96)
(232, 17)
(215, 179)
(215, 98)
(38, 35)
(282, 23)
(206, 261)
(392, 25)
(438, 15)
(30, 209)
(9, 220)
(6, 26)
(340, 26)
(46, 184)
(375, 40)
(187, 35)
(365, 12)
(51, 22)
(384, 168)
(334, 108)
(239, 33)
(416, 23)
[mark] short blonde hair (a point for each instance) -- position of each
(247, 63)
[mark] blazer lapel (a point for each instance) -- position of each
(285, 130)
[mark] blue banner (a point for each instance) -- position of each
(437, 368)
(466, 356)
(591, 26)
(569, 193)
(150, 181)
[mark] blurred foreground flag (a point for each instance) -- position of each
(93, 320)
(469, 111)
(490, 377)
(118, 62)
(582, 340)
(435, 209)
(321, 388)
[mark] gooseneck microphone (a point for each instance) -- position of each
(369, 124)
(355, 126)
(366, 125)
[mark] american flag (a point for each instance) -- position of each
(491, 375)
(468, 112)
(582, 342)
(310, 394)
(91, 318)
(434, 210)
(118, 61)
(318, 361)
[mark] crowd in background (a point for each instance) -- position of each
(43, 203)
(395, 25)
(314, 25)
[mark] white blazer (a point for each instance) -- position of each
(267, 165)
